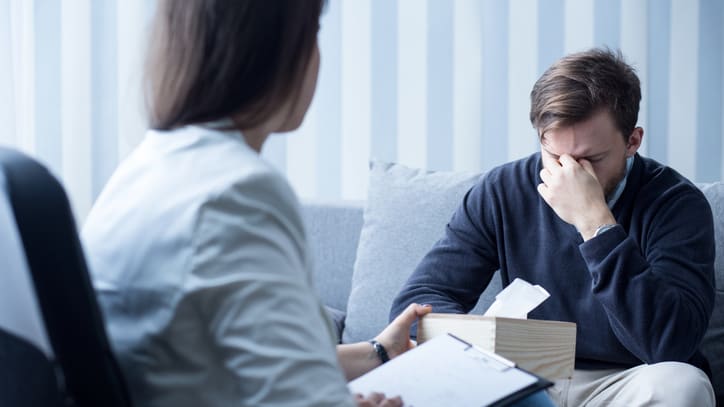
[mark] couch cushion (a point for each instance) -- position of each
(713, 345)
(406, 212)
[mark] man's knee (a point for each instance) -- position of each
(674, 383)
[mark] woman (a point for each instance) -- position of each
(196, 244)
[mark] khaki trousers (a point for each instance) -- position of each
(660, 384)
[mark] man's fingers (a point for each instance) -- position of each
(542, 188)
(545, 176)
(567, 161)
(588, 167)
(543, 191)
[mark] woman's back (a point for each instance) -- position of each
(198, 255)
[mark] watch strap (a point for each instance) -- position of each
(603, 228)
(380, 350)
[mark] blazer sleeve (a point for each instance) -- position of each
(255, 291)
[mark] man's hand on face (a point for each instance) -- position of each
(572, 190)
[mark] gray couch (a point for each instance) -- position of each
(364, 251)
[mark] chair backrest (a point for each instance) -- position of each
(27, 377)
(27, 374)
(61, 286)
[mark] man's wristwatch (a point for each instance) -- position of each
(603, 228)
(380, 350)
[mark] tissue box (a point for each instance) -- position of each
(546, 348)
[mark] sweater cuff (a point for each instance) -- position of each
(597, 249)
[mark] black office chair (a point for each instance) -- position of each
(27, 376)
(87, 373)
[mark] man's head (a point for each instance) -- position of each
(578, 85)
(586, 106)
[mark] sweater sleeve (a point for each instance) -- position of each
(658, 295)
(454, 273)
(252, 286)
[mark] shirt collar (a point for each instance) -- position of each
(621, 185)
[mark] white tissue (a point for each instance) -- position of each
(517, 300)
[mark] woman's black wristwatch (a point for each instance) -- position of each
(380, 350)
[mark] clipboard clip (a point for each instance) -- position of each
(491, 359)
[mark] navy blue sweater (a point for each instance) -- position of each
(640, 292)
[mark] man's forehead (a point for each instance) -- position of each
(600, 124)
(559, 143)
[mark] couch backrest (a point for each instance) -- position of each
(333, 231)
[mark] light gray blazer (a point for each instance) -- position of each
(200, 261)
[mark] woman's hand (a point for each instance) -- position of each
(396, 336)
(359, 358)
(377, 400)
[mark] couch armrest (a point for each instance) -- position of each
(338, 318)
(333, 229)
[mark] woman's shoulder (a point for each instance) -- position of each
(223, 166)
(232, 181)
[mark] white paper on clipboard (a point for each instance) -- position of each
(448, 371)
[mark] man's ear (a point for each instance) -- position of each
(634, 141)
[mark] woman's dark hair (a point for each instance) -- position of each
(579, 85)
(210, 59)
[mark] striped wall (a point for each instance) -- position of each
(441, 84)
(445, 84)
(70, 86)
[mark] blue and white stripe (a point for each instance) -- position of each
(462, 102)
(440, 84)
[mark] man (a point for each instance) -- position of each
(624, 245)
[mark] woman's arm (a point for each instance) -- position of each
(359, 358)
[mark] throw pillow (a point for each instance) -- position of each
(405, 214)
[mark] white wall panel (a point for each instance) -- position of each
(132, 41)
(634, 43)
(579, 25)
(412, 80)
(467, 75)
(23, 54)
(76, 102)
(356, 96)
(302, 154)
(7, 88)
(522, 71)
(683, 86)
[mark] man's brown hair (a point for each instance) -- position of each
(579, 85)
(210, 59)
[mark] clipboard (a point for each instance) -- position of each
(447, 370)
